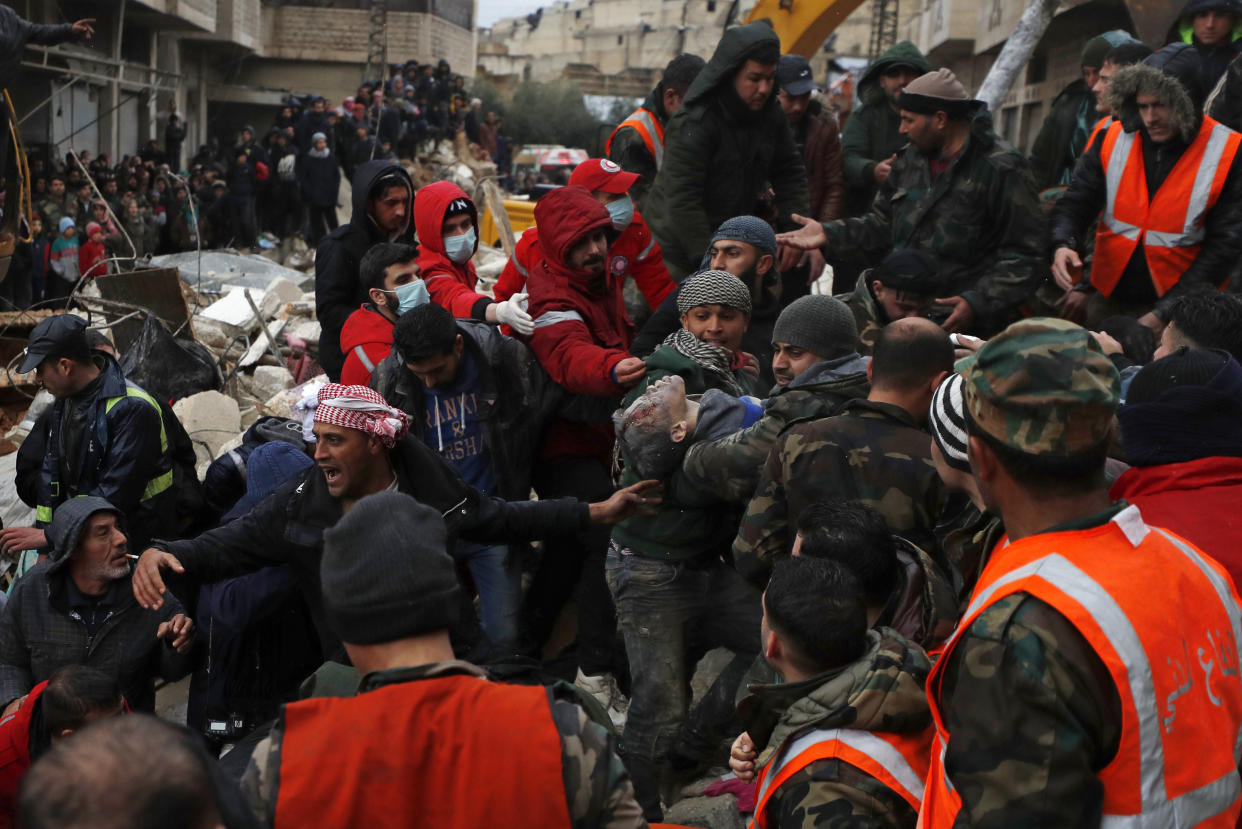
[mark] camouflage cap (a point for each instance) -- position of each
(1043, 387)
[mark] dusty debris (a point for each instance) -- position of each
(211, 419)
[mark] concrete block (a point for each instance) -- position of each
(308, 330)
(259, 345)
(708, 812)
(210, 333)
(269, 381)
(211, 419)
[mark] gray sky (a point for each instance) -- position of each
(492, 10)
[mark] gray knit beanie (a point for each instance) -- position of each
(713, 288)
(386, 573)
(749, 229)
(819, 324)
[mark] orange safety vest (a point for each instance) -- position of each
(648, 127)
(447, 751)
(899, 761)
(1100, 126)
(1170, 225)
(1164, 619)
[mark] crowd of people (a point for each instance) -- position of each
(964, 531)
(92, 217)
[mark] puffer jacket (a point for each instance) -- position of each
(729, 467)
(450, 284)
(872, 133)
(717, 165)
(1214, 59)
(338, 289)
(582, 329)
(366, 340)
(882, 692)
(518, 397)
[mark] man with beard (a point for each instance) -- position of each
(958, 191)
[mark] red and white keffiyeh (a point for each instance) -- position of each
(361, 408)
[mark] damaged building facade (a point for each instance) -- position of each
(219, 63)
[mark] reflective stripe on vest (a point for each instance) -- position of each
(554, 317)
(159, 483)
(1149, 715)
(872, 754)
(647, 125)
(361, 354)
(1100, 126)
(1170, 223)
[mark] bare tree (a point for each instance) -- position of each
(1016, 52)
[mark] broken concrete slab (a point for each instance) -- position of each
(306, 330)
(211, 419)
(220, 267)
(269, 381)
(708, 812)
(210, 333)
(259, 346)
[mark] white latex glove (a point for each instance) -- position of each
(512, 312)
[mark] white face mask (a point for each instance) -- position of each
(622, 212)
(460, 248)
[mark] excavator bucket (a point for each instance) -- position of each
(802, 25)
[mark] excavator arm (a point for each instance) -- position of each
(803, 25)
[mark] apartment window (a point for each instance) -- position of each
(578, 14)
(1037, 68)
(711, 5)
(620, 39)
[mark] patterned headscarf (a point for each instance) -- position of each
(361, 408)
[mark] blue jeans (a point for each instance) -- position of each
(499, 582)
(659, 603)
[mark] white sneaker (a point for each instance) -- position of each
(603, 687)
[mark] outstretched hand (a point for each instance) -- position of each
(84, 28)
(148, 582)
(641, 497)
(809, 237)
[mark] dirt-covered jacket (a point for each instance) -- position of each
(719, 160)
(872, 132)
(881, 692)
(729, 467)
(597, 786)
(980, 217)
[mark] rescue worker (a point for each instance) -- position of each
(1094, 679)
(904, 285)
(1212, 27)
(106, 437)
(637, 144)
(845, 735)
(392, 278)
(957, 191)
(1168, 182)
(633, 253)
(428, 740)
(448, 234)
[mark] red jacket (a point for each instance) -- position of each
(581, 328)
(635, 253)
(90, 255)
(367, 333)
(451, 285)
(15, 754)
(1195, 499)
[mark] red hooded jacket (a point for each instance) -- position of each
(635, 253)
(1195, 499)
(581, 328)
(15, 754)
(366, 334)
(451, 285)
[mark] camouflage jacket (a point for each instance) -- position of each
(868, 316)
(882, 691)
(729, 467)
(965, 537)
(981, 218)
(1033, 716)
(597, 786)
(871, 452)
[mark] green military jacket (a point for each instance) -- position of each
(981, 218)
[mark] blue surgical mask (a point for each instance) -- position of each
(460, 248)
(622, 213)
(411, 295)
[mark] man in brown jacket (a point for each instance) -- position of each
(818, 136)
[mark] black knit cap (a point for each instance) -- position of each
(386, 572)
(1184, 367)
(909, 271)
